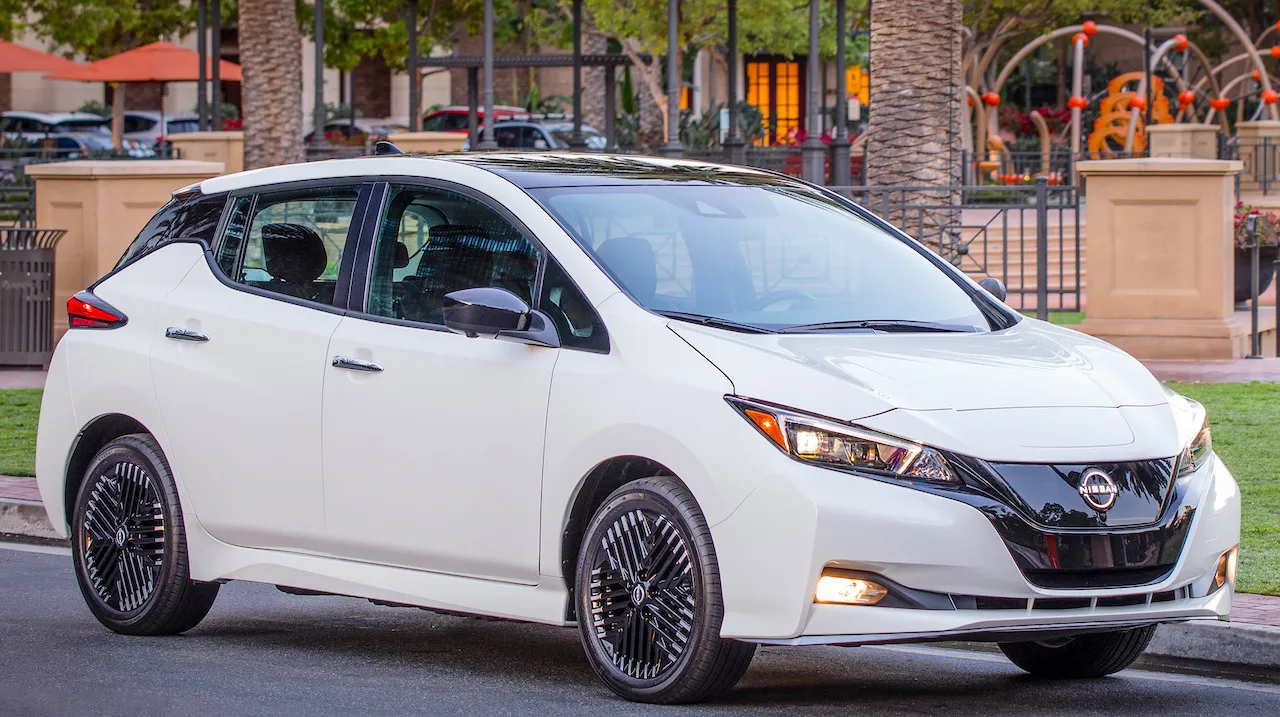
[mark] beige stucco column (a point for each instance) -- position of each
(1161, 258)
(1187, 140)
(1254, 138)
(103, 204)
(428, 142)
(225, 147)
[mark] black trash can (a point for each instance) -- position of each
(26, 295)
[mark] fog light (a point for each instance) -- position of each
(1225, 574)
(848, 591)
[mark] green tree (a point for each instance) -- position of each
(640, 26)
(101, 28)
(354, 29)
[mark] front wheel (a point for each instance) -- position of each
(129, 544)
(648, 598)
(1083, 656)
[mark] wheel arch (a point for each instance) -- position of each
(91, 438)
(601, 481)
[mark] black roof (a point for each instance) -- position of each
(532, 170)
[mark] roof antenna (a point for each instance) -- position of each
(384, 148)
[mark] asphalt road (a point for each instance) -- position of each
(261, 652)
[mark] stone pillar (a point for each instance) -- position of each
(1185, 140)
(1259, 146)
(102, 204)
(224, 147)
(428, 142)
(1161, 258)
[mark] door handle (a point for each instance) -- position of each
(355, 364)
(180, 334)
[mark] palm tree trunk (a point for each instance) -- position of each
(271, 63)
(916, 90)
(593, 43)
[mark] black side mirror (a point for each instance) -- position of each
(497, 314)
(994, 286)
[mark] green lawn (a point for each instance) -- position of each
(1246, 434)
(19, 410)
(1061, 318)
(1245, 418)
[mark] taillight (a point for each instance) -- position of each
(86, 311)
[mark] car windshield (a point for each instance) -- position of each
(773, 258)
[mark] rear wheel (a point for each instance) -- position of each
(648, 598)
(129, 544)
(1093, 655)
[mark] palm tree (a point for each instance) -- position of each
(271, 62)
(914, 133)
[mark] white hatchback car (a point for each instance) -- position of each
(690, 408)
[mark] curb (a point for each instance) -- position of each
(1214, 641)
(1196, 643)
(26, 520)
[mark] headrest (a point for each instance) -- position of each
(633, 264)
(293, 253)
(402, 255)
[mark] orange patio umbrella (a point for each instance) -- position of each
(16, 58)
(157, 62)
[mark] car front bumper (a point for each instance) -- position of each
(802, 519)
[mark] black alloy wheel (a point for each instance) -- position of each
(129, 543)
(642, 594)
(649, 604)
(123, 537)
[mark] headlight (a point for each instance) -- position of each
(817, 440)
(1197, 452)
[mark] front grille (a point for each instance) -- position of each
(982, 602)
(1103, 578)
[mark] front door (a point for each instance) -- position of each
(432, 440)
(240, 362)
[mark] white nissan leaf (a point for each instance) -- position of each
(690, 409)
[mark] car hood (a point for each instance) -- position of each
(1033, 392)
(854, 375)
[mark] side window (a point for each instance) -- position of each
(507, 137)
(432, 242)
(187, 218)
(290, 243)
(137, 124)
(576, 321)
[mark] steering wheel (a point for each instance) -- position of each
(774, 297)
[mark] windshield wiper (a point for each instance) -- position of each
(888, 325)
(713, 321)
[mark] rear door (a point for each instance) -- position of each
(240, 357)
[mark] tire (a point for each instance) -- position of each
(651, 628)
(1095, 655)
(129, 544)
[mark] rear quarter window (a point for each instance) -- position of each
(186, 218)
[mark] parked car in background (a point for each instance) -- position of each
(31, 126)
(341, 130)
(144, 125)
(685, 408)
(541, 135)
(454, 117)
(78, 145)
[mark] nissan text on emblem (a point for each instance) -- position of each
(1098, 489)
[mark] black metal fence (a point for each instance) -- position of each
(1029, 237)
(26, 295)
(1260, 157)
